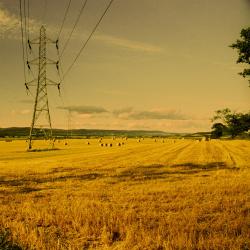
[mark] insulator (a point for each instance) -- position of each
(29, 44)
(59, 89)
(28, 64)
(57, 65)
(27, 88)
(57, 46)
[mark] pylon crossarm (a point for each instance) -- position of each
(34, 61)
(50, 61)
(34, 41)
(32, 83)
(48, 40)
(52, 83)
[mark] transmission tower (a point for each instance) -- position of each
(41, 113)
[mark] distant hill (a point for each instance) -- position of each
(24, 132)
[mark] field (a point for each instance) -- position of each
(176, 194)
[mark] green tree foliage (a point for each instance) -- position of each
(243, 48)
(231, 122)
(218, 130)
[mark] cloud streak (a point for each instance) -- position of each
(129, 44)
(8, 22)
(129, 113)
(10, 25)
(157, 115)
(10, 28)
(85, 109)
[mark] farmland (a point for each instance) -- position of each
(164, 194)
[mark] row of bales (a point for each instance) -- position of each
(110, 144)
(119, 144)
(120, 141)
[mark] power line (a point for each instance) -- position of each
(64, 18)
(86, 42)
(21, 19)
(25, 29)
(28, 14)
(75, 24)
(26, 33)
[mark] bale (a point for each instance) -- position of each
(119, 144)
(110, 145)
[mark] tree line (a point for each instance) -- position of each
(230, 123)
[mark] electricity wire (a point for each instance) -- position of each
(75, 24)
(64, 18)
(89, 37)
(23, 49)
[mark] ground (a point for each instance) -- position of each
(164, 194)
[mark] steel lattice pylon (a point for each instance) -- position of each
(41, 105)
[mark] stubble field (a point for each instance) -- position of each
(176, 194)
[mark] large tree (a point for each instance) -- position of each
(243, 47)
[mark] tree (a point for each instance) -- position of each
(243, 49)
(218, 130)
(234, 123)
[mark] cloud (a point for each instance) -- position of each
(10, 25)
(10, 28)
(85, 109)
(112, 122)
(129, 113)
(123, 111)
(27, 101)
(129, 44)
(9, 22)
(158, 115)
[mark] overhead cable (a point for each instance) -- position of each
(89, 37)
(75, 24)
(64, 18)
(22, 33)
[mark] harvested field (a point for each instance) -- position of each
(180, 194)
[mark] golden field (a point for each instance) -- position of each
(176, 194)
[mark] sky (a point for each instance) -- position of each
(152, 65)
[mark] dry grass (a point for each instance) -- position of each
(179, 194)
